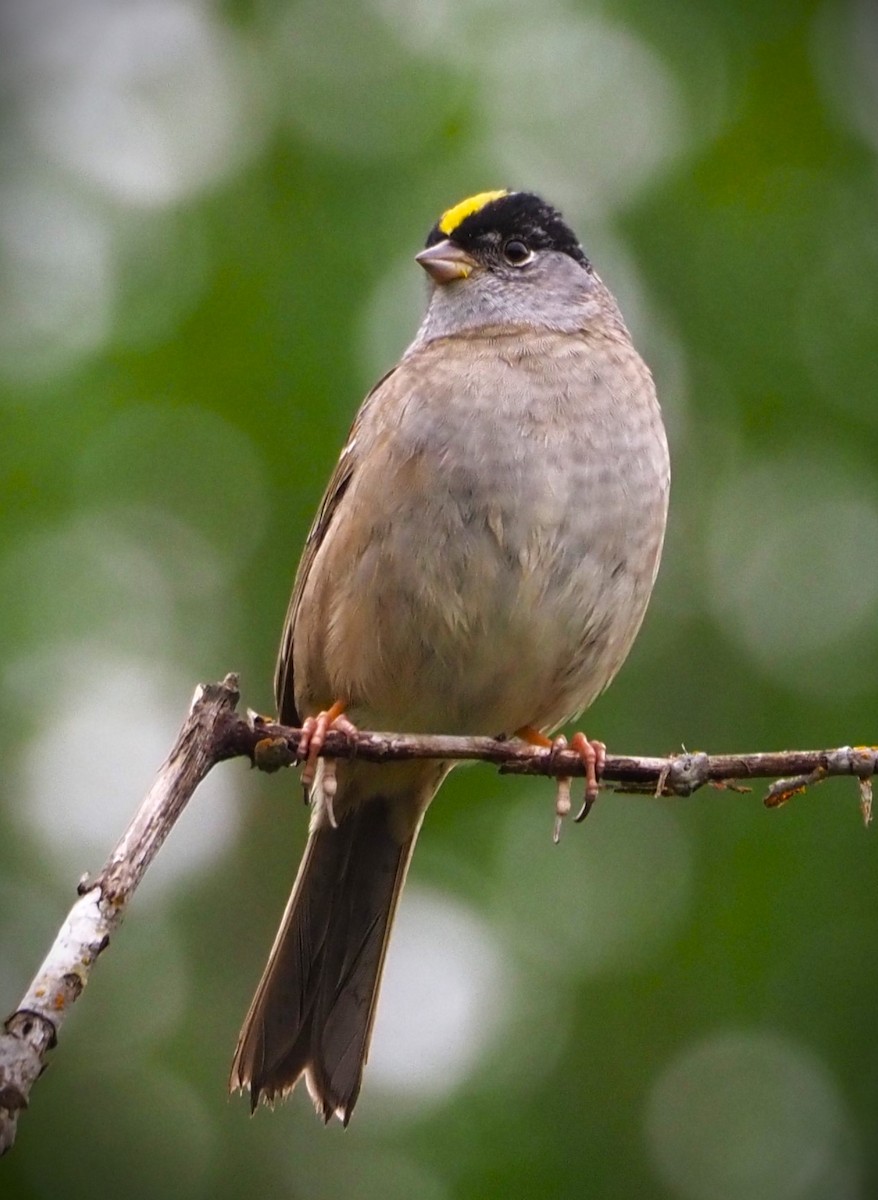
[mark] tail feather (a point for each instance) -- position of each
(315, 1006)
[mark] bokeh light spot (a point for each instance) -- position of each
(442, 998)
(590, 143)
(56, 264)
(133, 578)
(751, 1116)
(112, 724)
(349, 90)
(845, 50)
(150, 100)
(793, 571)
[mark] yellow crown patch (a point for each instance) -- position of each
(452, 217)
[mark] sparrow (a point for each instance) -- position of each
(480, 564)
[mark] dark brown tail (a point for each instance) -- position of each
(315, 1005)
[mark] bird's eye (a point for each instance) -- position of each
(517, 252)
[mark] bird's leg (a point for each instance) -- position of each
(562, 795)
(594, 757)
(313, 738)
(533, 737)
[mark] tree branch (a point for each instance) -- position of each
(270, 746)
(32, 1030)
(214, 732)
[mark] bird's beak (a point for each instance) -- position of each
(446, 262)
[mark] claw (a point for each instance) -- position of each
(313, 739)
(594, 757)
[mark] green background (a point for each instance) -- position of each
(207, 220)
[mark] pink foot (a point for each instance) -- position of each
(594, 757)
(313, 737)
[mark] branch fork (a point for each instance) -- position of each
(213, 732)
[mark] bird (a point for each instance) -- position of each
(480, 564)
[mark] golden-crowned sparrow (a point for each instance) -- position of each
(480, 564)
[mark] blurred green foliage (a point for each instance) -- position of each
(206, 229)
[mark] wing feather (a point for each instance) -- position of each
(345, 469)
